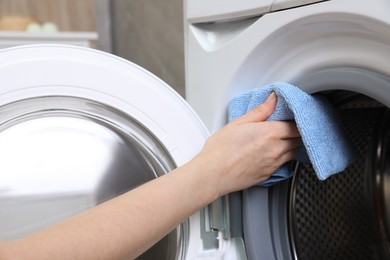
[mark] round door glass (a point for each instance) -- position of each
(63, 155)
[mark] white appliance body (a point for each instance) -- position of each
(227, 57)
(320, 46)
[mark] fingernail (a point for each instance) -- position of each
(271, 97)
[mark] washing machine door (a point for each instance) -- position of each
(78, 127)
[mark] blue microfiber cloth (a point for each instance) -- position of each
(325, 145)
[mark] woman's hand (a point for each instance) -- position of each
(249, 149)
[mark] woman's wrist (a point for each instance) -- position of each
(207, 174)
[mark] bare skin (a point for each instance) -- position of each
(243, 153)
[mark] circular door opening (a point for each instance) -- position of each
(347, 215)
(63, 155)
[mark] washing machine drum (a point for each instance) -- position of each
(346, 216)
(78, 127)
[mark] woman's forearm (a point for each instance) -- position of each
(127, 225)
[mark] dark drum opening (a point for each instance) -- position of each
(348, 215)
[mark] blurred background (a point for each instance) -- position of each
(146, 32)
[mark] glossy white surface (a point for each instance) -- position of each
(296, 45)
(199, 11)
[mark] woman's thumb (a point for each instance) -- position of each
(261, 112)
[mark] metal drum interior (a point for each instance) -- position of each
(62, 155)
(346, 216)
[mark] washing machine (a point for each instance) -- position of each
(339, 49)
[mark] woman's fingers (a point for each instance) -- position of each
(282, 150)
(261, 112)
(291, 144)
(283, 129)
(265, 110)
